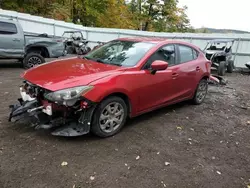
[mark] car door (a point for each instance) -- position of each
(156, 89)
(185, 72)
(11, 40)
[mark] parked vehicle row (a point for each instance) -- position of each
(30, 50)
(118, 80)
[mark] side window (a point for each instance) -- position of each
(7, 28)
(165, 53)
(187, 54)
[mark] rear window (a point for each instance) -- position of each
(7, 28)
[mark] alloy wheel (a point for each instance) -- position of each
(111, 117)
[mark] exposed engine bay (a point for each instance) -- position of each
(65, 117)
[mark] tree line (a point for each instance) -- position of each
(146, 15)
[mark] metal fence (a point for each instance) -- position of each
(36, 24)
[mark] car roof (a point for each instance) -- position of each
(9, 20)
(221, 40)
(144, 39)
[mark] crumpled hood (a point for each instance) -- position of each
(67, 73)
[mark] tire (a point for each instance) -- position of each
(32, 59)
(102, 110)
(70, 50)
(222, 68)
(202, 87)
(230, 66)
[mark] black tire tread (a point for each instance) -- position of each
(230, 66)
(222, 68)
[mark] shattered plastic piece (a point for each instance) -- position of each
(116, 149)
(218, 172)
(167, 163)
(64, 163)
(158, 153)
(179, 128)
(191, 129)
(190, 139)
(213, 158)
(126, 164)
(92, 178)
(138, 157)
(248, 122)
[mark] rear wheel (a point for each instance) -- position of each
(222, 68)
(109, 117)
(230, 66)
(32, 59)
(201, 92)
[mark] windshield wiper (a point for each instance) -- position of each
(100, 61)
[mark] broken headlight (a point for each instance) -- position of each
(67, 96)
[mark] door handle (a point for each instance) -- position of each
(175, 75)
(198, 68)
(17, 40)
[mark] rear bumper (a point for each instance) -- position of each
(46, 116)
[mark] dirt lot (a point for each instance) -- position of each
(203, 146)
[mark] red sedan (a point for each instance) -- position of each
(123, 78)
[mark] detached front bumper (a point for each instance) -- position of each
(62, 120)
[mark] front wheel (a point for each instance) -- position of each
(109, 117)
(32, 59)
(201, 92)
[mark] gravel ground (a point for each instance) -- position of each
(178, 146)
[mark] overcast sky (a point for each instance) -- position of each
(219, 14)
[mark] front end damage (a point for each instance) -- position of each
(71, 118)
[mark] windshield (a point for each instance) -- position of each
(217, 46)
(72, 35)
(120, 53)
(67, 34)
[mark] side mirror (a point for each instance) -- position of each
(158, 66)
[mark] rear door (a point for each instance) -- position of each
(11, 40)
(187, 72)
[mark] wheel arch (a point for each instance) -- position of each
(43, 51)
(123, 96)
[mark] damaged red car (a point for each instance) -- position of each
(119, 80)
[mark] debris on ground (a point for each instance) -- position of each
(92, 178)
(167, 163)
(218, 172)
(138, 157)
(158, 153)
(64, 163)
(179, 128)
